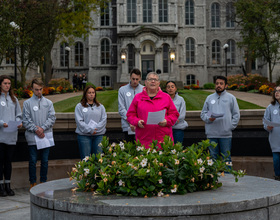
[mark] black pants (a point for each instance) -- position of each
(129, 138)
(6, 155)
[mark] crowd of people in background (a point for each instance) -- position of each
(135, 103)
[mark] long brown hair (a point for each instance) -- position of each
(274, 100)
(84, 98)
(11, 92)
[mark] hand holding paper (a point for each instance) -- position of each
(12, 126)
(156, 117)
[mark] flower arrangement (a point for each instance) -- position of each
(99, 89)
(187, 87)
(130, 169)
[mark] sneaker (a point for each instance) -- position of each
(32, 184)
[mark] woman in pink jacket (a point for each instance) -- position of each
(152, 99)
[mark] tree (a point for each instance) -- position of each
(260, 23)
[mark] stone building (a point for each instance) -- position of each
(183, 40)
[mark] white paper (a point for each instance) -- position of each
(92, 124)
(45, 142)
(12, 126)
(155, 117)
(129, 131)
(215, 115)
(270, 123)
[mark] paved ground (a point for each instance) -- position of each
(18, 207)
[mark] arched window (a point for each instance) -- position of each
(165, 58)
(163, 11)
(230, 12)
(189, 12)
(231, 52)
(10, 56)
(147, 11)
(105, 51)
(105, 81)
(131, 57)
(79, 54)
(131, 11)
(190, 79)
(190, 50)
(63, 55)
(216, 52)
(215, 15)
(105, 15)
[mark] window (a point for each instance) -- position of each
(131, 57)
(105, 81)
(216, 52)
(63, 55)
(105, 15)
(189, 12)
(231, 52)
(190, 79)
(147, 11)
(79, 54)
(165, 58)
(163, 11)
(230, 12)
(105, 51)
(131, 11)
(215, 15)
(10, 56)
(190, 50)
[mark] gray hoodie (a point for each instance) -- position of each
(180, 104)
(37, 112)
(9, 111)
(83, 115)
(125, 97)
(222, 127)
(272, 113)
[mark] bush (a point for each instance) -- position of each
(130, 169)
(99, 89)
(209, 86)
(60, 82)
(187, 87)
(90, 84)
(194, 87)
(233, 86)
(163, 85)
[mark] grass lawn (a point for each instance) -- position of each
(194, 101)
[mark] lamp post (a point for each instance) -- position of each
(123, 58)
(15, 27)
(225, 47)
(172, 57)
(68, 52)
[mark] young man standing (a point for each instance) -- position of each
(38, 119)
(219, 129)
(125, 97)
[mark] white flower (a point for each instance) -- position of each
(210, 162)
(202, 169)
(121, 183)
(149, 151)
(160, 181)
(113, 144)
(155, 160)
(160, 152)
(173, 151)
(122, 145)
(154, 151)
(177, 162)
(143, 163)
(174, 190)
(148, 171)
(114, 154)
(100, 145)
(200, 161)
(139, 148)
(86, 171)
(86, 158)
(160, 194)
(145, 159)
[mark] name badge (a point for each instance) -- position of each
(128, 94)
(3, 103)
(35, 108)
(275, 112)
(85, 109)
(213, 102)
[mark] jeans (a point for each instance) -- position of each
(33, 154)
(276, 163)
(178, 135)
(88, 145)
(6, 155)
(223, 145)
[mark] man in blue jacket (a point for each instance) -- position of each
(38, 119)
(125, 97)
(221, 115)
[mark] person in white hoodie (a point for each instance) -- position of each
(9, 111)
(179, 102)
(91, 120)
(272, 114)
(219, 129)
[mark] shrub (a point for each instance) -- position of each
(242, 87)
(99, 89)
(194, 86)
(132, 170)
(209, 86)
(187, 87)
(233, 86)
(60, 82)
(163, 85)
(90, 84)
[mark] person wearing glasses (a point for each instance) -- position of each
(272, 114)
(152, 99)
(179, 102)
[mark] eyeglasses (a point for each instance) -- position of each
(277, 91)
(152, 79)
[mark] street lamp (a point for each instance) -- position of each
(68, 52)
(225, 47)
(15, 27)
(172, 57)
(123, 58)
